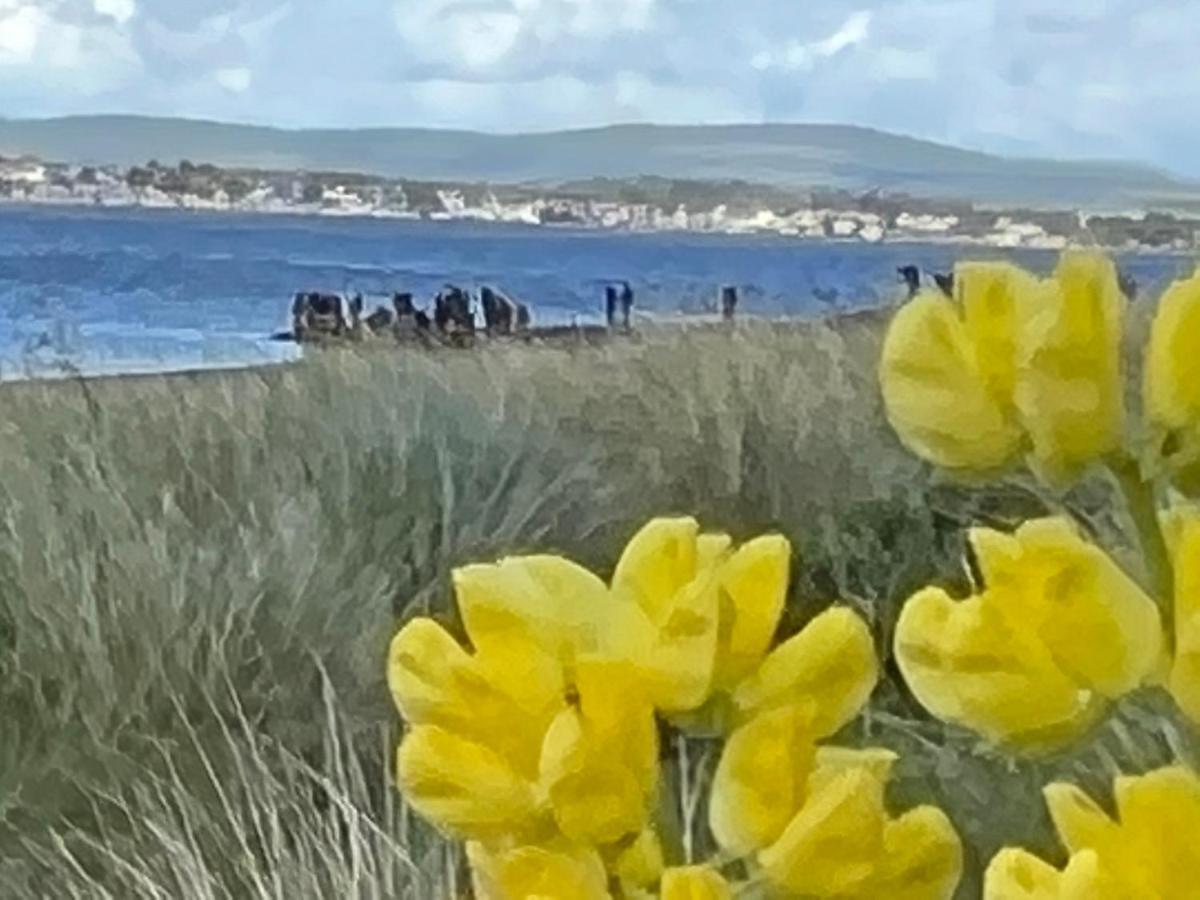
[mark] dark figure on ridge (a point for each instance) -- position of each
(945, 283)
(1129, 286)
(911, 276)
(499, 312)
(316, 313)
(626, 304)
(729, 302)
(610, 305)
(452, 311)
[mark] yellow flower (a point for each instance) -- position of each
(536, 731)
(1172, 380)
(699, 620)
(1183, 538)
(639, 866)
(815, 817)
(1011, 361)
(1069, 389)
(948, 371)
(557, 872)
(600, 758)
(828, 834)
(1056, 630)
(695, 883)
(1148, 852)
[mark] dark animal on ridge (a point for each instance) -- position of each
(452, 311)
(499, 312)
(314, 312)
(945, 283)
(911, 276)
(1129, 286)
(403, 306)
(380, 320)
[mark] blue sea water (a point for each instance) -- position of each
(94, 290)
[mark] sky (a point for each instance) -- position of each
(1086, 79)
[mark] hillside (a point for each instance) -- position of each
(829, 156)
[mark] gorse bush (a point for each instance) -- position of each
(539, 745)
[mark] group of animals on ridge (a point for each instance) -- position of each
(321, 316)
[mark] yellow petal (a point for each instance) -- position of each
(1101, 629)
(832, 762)
(545, 600)
(1081, 824)
(685, 651)
(1159, 813)
(923, 857)
(965, 663)
(937, 399)
(560, 873)
(830, 662)
(464, 787)
(762, 778)
(1172, 377)
(695, 883)
(600, 758)
(1069, 387)
(640, 865)
(658, 563)
(505, 701)
(1185, 671)
(1015, 874)
(1019, 875)
(429, 672)
(989, 293)
(834, 844)
(753, 590)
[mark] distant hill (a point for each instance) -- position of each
(828, 156)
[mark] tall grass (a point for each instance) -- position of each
(199, 578)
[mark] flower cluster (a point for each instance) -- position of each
(539, 745)
(539, 740)
(1013, 369)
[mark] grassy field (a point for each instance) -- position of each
(199, 577)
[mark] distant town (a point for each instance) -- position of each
(643, 204)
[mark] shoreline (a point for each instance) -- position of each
(1050, 244)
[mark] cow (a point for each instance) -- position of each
(314, 313)
(452, 311)
(499, 312)
(403, 305)
(380, 320)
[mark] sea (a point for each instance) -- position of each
(102, 291)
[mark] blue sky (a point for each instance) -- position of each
(1034, 77)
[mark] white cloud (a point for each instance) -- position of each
(234, 80)
(802, 56)
(120, 10)
(19, 32)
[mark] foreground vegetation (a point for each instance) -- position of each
(199, 578)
